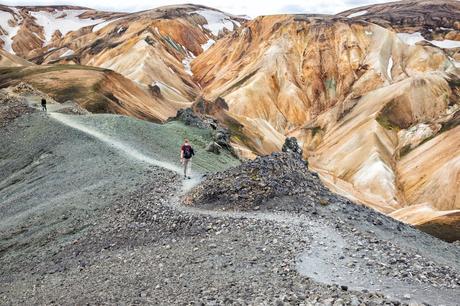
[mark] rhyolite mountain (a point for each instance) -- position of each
(372, 94)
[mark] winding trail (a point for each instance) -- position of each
(125, 148)
(321, 262)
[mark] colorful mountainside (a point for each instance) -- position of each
(372, 94)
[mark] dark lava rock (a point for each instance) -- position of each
(254, 182)
(189, 117)
(222, 137)
(213, 147)
(291, 145)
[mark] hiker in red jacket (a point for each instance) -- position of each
(186, 153)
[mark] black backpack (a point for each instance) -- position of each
(187, 152)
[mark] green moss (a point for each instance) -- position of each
(454, 122)
(315, 130)
(331, 85)
(385, 122)
(404, 150)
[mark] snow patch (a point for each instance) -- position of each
(104, 24)
(360, 13)
(389, 67)
(413, 38)
(51, 22)
(445, 44)
(186, 62)
(216, 21)
(368, 32)
(410, 38)
(208, 44)
(10, 31)
(67, 53)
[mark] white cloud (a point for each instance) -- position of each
(243, 7)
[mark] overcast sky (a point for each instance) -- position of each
(240, 7)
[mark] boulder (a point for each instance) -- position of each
(213, 147)
(291, 145)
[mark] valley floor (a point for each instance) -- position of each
(90, 213)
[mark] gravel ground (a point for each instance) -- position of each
(96, 227)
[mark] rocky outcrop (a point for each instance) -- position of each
(220, 135)
(254, 182)
(291, 145)
(13, 103)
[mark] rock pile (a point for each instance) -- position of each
(220, 135)
(254, 182)
(189, 117)
(12, 106)
(291, 145)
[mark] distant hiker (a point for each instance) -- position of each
(43, 104)
(186, 153)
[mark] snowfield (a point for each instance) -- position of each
(65, 21)
(186, 62)
(11, 31)
(446, 44)
(360, 13)
(413, 38)
(106, 23)
(67, 53)
(217, 21)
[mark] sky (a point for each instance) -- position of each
(251, 8)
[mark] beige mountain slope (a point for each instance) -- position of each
(10, 60)
(98, 90)
(361, 100)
